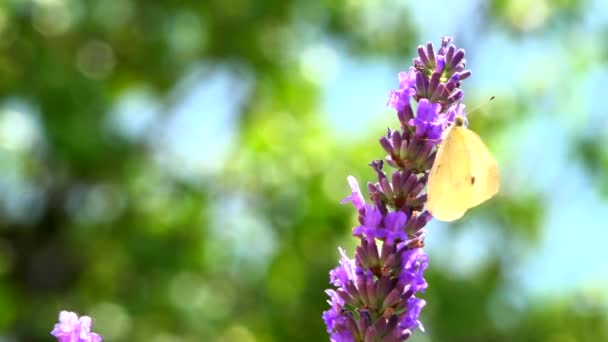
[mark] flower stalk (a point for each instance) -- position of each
(375, 294)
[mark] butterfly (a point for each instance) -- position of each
(464, 174)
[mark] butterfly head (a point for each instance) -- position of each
(460, 120)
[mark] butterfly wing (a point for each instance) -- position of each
(449, 191)
(484, 170)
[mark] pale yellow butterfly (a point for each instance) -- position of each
(464, 174)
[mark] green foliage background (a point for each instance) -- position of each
(237, 246)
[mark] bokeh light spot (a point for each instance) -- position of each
(186, 33)
(52, 17)
(528, 15)
(111, 320)
(241, 236)
(19, 130)
(95, 60)
(197, 297)
(134, 113)
(319, 64)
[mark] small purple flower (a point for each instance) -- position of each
(333, 316)
(410, 320)
(371, 227)
(426, 122)
(73, 329)
(341, 275)
(356, 197)
(414, 262)
(394, 224)
(399, 98)
(376, 292)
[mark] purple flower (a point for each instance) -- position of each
(410, 320)
(375, 294)
(426, 122)
(394, 224)
(414, 263)
(399, 98)
(73, 329)
(372, 223)
(356, 197)
(341, 275)
(333, 317)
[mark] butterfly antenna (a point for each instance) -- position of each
(481, 105)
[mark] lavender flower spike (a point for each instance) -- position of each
(73, 329)
(376, 293)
